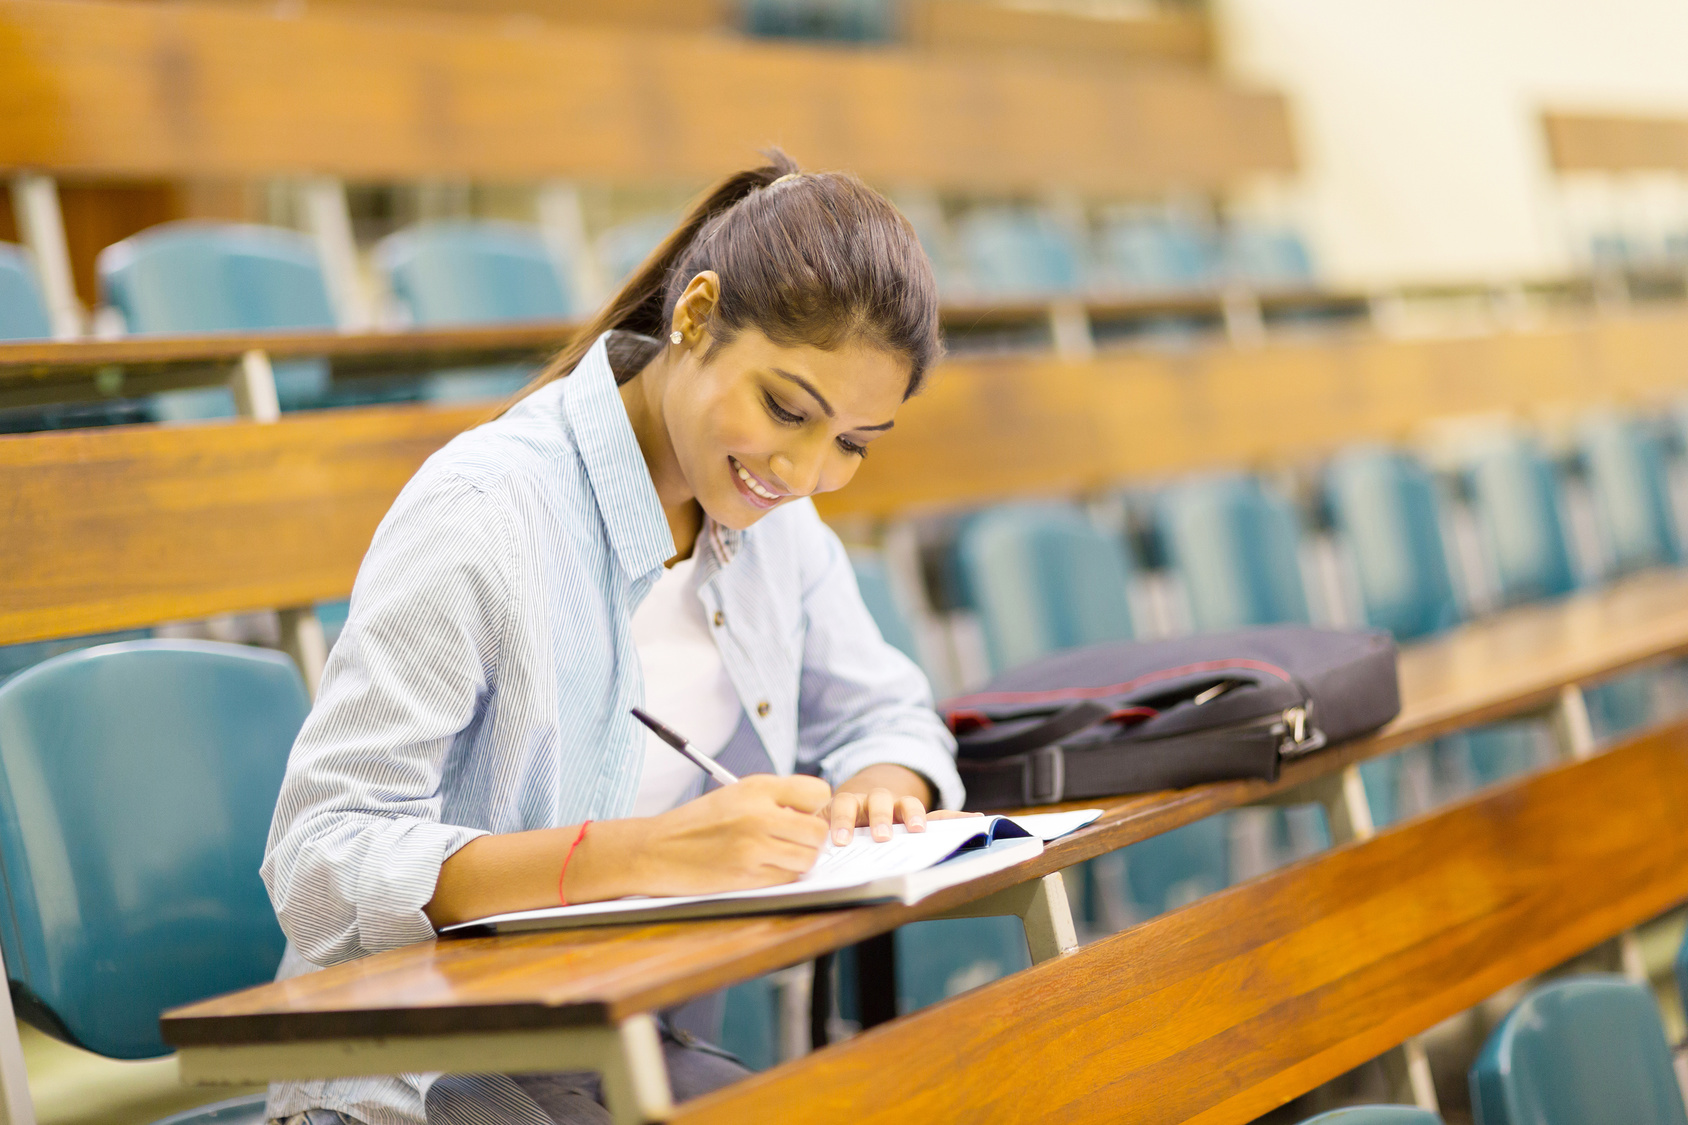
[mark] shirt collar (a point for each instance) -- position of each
(621, 482)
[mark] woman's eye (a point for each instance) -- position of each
(779, 412)
(855, 449)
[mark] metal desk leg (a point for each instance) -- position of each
(1041, 906)
(636, 1078)
(1573, 734)
(1348, 812)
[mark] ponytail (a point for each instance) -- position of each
(816, 259)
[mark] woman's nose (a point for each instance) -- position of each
(798, 479)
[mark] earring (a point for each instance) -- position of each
(676, 337)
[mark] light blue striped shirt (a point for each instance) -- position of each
(483, 679)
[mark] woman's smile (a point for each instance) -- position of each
(752, 487)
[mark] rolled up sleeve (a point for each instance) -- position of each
(861, 701)
(356, 846)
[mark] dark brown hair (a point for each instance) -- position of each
(818, 258)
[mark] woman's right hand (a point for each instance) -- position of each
(760, 832)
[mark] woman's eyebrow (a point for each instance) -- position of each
(810, 387)
(818, 397)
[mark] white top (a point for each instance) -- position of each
(686, 688)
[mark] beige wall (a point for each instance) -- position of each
(1418, 125)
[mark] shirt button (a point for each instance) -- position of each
(720, 619)
(762, 709)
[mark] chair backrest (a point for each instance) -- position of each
(23, 311)
(622, 248)
(1155, 254)
(1376, 1115)
(1042, 577)
(1236, 547)
(220, 277)
(849, 21)
(873, 579)
(1010, 251)
(215, 277)
(1515, 497)
(1588, 1050)
(1625, 463)
(1267, 256)
(1384, 506)
(474, 273)
(137, 783)
(1682, 972)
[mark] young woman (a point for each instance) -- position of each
(635, 530)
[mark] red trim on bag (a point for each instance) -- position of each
(966, 722)
(1132, 715)
(1055, 695)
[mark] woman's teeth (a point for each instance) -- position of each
(751, 483)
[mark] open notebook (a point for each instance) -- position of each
(905, 868)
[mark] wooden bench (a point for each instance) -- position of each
(1232, 1006)
(583, 997)
(991, 428)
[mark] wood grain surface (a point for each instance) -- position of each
(1515, 661)
(1230, 1007)
(41, 371)
(1583, 142)
(130, 526)
(207, 90)
(989, 428)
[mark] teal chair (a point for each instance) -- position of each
(623, 248)
(195, 276)
(1515, 495)
(1154, 254)
(1587, 1050)
(1385, 511)
(933, 959)
(1624, 462)
(482, 272)
(248, 1110)
(846, 21)
(137, 783)
(1682, 973)
(23, 311)
(1018, 252)
(1515, 498)
(1236, 547)
(879, 594)
(1042, 577)
(1376, 1115)
(1267, 257)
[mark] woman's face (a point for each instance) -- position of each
(759, 425)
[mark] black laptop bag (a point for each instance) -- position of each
(1133, 717)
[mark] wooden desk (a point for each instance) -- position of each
(1230, 1007)
(36, 372)
(551, 1000)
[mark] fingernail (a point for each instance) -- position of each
(918, 824)
(842, 836)
(881, 832)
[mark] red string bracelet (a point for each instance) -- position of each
(561, 897)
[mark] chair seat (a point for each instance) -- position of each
(246, 1110)
(1376, 1115)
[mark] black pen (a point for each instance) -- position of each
(708, 765)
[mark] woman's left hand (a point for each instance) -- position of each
(878, 797)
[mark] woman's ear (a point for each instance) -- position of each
(695, 306)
